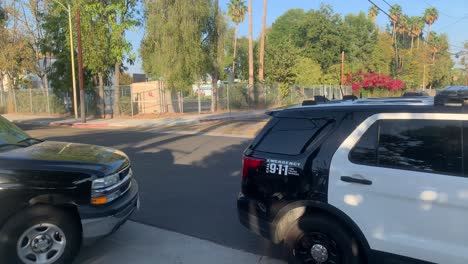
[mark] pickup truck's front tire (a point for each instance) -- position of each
(40, 235)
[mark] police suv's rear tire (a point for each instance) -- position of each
(40, 235)
(321, 239)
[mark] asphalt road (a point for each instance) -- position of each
(189, 183)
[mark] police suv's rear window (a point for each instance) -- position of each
(289, 136)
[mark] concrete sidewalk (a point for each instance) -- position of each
(133, 122)
(141, 244)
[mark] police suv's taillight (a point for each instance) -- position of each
(250, 164)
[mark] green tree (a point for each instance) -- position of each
(172, 47)
(281, 59)
(16, 57)
(323, 36)
(290, 26)
(442, 64)
(360, 36)
(307, 71)
(382, 55)
(96, 45)
(122, 16)
(430, 16)
(29, 17)
(236, 11)
(242, 61)
(217, 29)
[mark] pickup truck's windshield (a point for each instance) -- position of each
(10, 133)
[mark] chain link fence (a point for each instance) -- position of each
(155, 99)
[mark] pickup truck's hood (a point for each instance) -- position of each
(64, 157)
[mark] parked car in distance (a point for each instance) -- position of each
(364, 181)
(54, 196)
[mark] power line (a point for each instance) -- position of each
(398, 23)
(451, 24)
(443, 13)
(387, 3)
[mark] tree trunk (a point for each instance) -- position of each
(170, 105)
(251, 59)
(393, 32)
(116, 108)
(428, 33)
(418, 42)
(100, 100)
(214, 96)
(261, 68)
(216, 63)
(235, 51)
(3, 107)
(412, 43)
(46, 88)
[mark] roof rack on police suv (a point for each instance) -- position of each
(370, 101)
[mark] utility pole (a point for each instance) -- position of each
(80, 66)
(342, 72)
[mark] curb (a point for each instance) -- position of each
(117, 126)
(88, 125)
(244, 117)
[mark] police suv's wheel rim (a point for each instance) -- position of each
(316, 248)
(41, 244)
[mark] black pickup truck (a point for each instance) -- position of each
(55, 196)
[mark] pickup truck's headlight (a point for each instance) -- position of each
(109, 188)
(106, 181)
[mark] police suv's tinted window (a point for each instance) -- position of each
(428, 145)
(289, 136)
(365, 150)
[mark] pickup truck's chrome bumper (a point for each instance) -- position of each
(114, 216)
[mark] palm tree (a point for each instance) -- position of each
(262, 44)
(418, 28)
(373, 13)
(236, 10)
(412, 27)
(251, 60)
(403, 26)
(395, 15)
(430, 16)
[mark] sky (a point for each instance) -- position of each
(453, 17)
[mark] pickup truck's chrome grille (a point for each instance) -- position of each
(124, 173)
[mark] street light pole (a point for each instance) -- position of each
(72, 54)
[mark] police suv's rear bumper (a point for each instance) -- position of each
(252, 215)
(100, 221)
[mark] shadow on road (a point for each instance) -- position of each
(189, 184)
